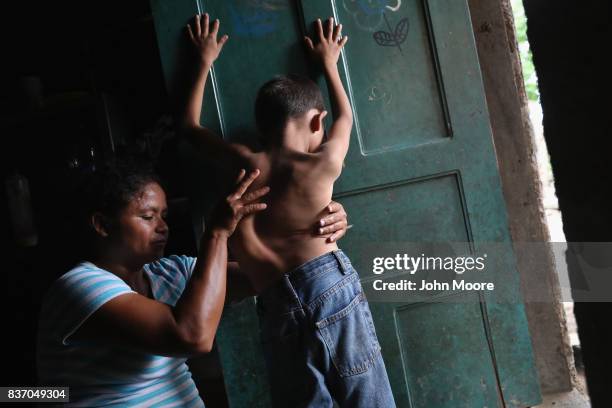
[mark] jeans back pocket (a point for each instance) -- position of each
(350, 337)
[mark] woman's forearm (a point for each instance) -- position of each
(198, 311)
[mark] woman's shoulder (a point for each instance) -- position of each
(81, 273)
(82, 279)
(80, 291)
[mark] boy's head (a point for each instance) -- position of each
(289, 98)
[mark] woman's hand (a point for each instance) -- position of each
(336, 223)
(204, 39)
(228, 213)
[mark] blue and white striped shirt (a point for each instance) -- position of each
(106, 375)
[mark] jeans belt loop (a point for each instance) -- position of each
(343, 267)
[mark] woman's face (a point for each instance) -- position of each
(142, 231)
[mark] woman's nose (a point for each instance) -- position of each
(162, 226)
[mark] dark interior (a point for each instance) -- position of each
(82, 81)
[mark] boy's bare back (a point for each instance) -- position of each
(285, 235)
(299, 166)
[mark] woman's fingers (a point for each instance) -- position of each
(245, 183)
(240, 175)
(252, 208)
(336, 226)
(328, 220)
(336, 235)
(330, 28)
(254, 195)
(333, 206)
(336, 213)
(336, 223)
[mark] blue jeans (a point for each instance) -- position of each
(319, 339)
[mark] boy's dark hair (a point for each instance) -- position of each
(283, 98)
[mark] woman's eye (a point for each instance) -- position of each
(146, 217)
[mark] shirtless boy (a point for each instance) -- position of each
(317, 331)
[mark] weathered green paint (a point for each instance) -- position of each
(245, 382)
(421, 168)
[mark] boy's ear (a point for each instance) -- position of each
(100, 224)
(322, 115)
(316, 123)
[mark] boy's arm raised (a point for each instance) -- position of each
(327, 51)
(204, 38)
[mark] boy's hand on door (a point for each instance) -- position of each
(204, 38)
(331, 41)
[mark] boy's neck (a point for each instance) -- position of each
(294, 141)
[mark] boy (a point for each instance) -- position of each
(317, 331)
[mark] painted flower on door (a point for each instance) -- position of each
(371, 15)
(368, 14)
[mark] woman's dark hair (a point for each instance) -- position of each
(282, 98)
(113, 184)
(107, 189)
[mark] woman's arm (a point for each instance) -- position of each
(198, 311)
(189, 327)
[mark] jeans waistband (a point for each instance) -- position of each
(318, 264)
(283, 293)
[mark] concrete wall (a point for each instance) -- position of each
(515, 148)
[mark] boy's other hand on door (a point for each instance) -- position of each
(331, 41)
(204, 38)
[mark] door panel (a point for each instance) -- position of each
(453, 352)
(382, 97)
(421, 168)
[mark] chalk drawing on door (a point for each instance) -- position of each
(370, 15)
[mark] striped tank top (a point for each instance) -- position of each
(110, 375)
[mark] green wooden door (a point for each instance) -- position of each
(421, 168)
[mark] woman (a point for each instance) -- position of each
(118, 328)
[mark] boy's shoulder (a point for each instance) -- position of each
(243, 156)
(241, 149)
(249, 155)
